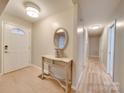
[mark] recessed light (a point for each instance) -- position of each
(95, 27)
(32, 9)
(80, 30)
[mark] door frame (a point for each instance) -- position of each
(110, 26)
(4, 22)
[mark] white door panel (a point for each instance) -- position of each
(16, 47)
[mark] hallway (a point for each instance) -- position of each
(95, 80)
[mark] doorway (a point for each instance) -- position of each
(15, 47)
(111, 46)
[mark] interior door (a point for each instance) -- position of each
(16, 50)
(111, 45)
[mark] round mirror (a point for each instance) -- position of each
(61, 38)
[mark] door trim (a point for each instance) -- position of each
(110, 26)
(2, 43)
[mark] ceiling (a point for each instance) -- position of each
(48, 7)
(93, 12)
(97, 11)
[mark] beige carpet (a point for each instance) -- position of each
(27, 81)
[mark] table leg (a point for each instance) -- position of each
(71, 70)
(67, 78)
(42, 68)
(49, 68)
(70, 76)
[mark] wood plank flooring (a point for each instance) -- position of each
(27, 81)
(95, 80)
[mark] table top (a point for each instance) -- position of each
(52, 57)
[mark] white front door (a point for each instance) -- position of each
(111, 45)
(16, 51)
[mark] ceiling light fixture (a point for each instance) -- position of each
(32, 9)
(95, 27)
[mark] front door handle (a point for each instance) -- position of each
(6, 47)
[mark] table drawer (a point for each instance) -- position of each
(59, 63)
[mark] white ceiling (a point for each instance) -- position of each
(48, 7)
(96, 11)
(90, 11)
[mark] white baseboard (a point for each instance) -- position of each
(35, 66)
(78, 83)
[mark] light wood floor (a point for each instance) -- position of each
(95, 79)
(27, 81)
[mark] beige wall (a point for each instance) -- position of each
(103, 46)
(14, 20)
(43, 33)
(119, 56)
(94, 46)
(80, 48)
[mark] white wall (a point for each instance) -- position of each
(81, 54)
(94, 46)
(119, 46)
(80, 45)
(43, 33)
(86, 46)
(119, 56)
(103, 46)
(15, 20)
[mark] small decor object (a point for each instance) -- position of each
(60, 41)
(59, 53)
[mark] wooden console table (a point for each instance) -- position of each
(65, 64)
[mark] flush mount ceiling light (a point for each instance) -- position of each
(95, 27)
(32, 9)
